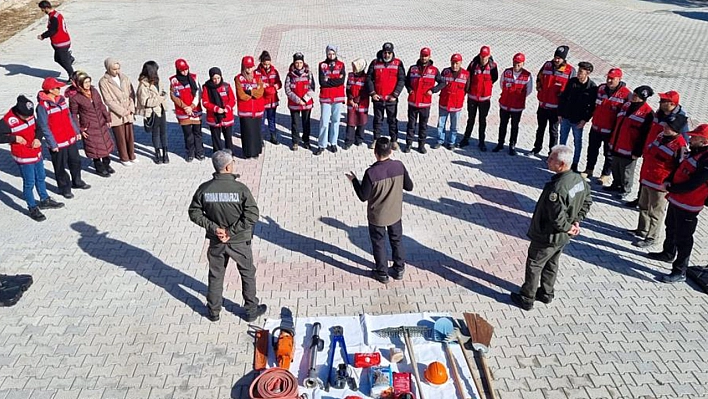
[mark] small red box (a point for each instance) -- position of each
(367, 359)
(401, 383)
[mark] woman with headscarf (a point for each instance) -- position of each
(249, 90)
(218, 100)
(151, 105)
(94, 124)
(272, 83)
(119, 96)
(300, 89)
(184, 93)
(357, 104)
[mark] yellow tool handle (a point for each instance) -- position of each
(414, 363)
(488, 375)
(455, 374)
(465, 352)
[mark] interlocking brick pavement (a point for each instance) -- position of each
(120, 274)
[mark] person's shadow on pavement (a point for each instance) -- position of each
(140, 261)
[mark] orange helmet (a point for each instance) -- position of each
(436, 373)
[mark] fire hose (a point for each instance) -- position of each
(275, 383)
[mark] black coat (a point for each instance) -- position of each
(577, 102)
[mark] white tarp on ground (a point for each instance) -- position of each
(358, 337)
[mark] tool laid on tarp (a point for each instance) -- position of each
(284, 345)
(275, 383)
(337, 339)
(407, 332)
(362, 360)
(481, 332)
(316, 345)
(262, 341)
(442, 329)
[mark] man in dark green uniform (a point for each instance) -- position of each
(228, 212)
(563, 204)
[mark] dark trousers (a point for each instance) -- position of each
(63, 57)
(378, 244)
(101, 164)
(680, 226)
(355, 135)
(546, 117)
(218, 255)
(159, 132)
(623, 173)
(67, 158)
(391, 110)
(193, 140)
(216, 133)
(597, 140)
(295, 128)
(269, 115)
(472, 108)
(419, 116)
(541, 268)
(505, 116)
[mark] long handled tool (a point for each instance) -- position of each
(481, 332)
(441, 330)
(316, 345)
(456, 335)
(407, 332)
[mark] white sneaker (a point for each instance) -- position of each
(126, 163)
(134, 160)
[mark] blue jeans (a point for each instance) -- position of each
(329, 124)
(565, 127)
(451, 137)
(33, 175)
(269, 115)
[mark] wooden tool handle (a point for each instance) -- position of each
(488, 376)
(414, 363)
(455, 374)
(465, 352)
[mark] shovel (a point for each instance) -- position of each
(441, 331)
(481, 333)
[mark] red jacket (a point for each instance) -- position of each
(513, 95)
(61, 38)
(607, 105)
(627, 137)
(481, 80)
(551, 83)
(692, 201)
(23, 153)
(357, 92)
(254, 107)
(452, 96)
(184, 93)
(61, 132)
(331, 93)
(271, 83)
(299, 86)
(227, 98)
(386, 77)
(660, 160)
(421, 79)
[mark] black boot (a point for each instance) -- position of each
(9, 295)
(465, 141)
(100, 168)
(158, 156)
(165, 157)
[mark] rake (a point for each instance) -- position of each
(407, 332)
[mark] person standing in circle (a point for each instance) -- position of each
(151, 105)
(119, 96)
(249, 93)
(184, 93)
(219, 101)
(271, 84)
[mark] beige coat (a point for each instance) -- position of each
(150, 99)
(120, 100)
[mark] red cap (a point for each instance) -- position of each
(614, 73)
(669, 96)
(457, 57)
(700, 131)
(519, 57)
(51, 83)
(485, 51)
(425, 52)
(181, 65)
(247, 62)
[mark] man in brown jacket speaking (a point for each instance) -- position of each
(382, 186)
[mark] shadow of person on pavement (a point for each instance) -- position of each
(173, 281)
(19, 69)
(425, 258)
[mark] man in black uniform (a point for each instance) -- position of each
(228, 212)
(563, 204)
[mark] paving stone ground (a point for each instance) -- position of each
(120, 276)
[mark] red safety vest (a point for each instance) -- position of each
(58, 119)
(553, 83)
(452, 96)
(422, 80)
(332, 95)
(691, 201)
(271, 81)
(227, 98)
(253, 107)
(659, 160)
(60, 39)
(299, 85)
(385, 76)
(607, 106)
(626, 131)
(23, 153)
(184, 93)
(513, 95)
(481, 81)
(355, 85)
